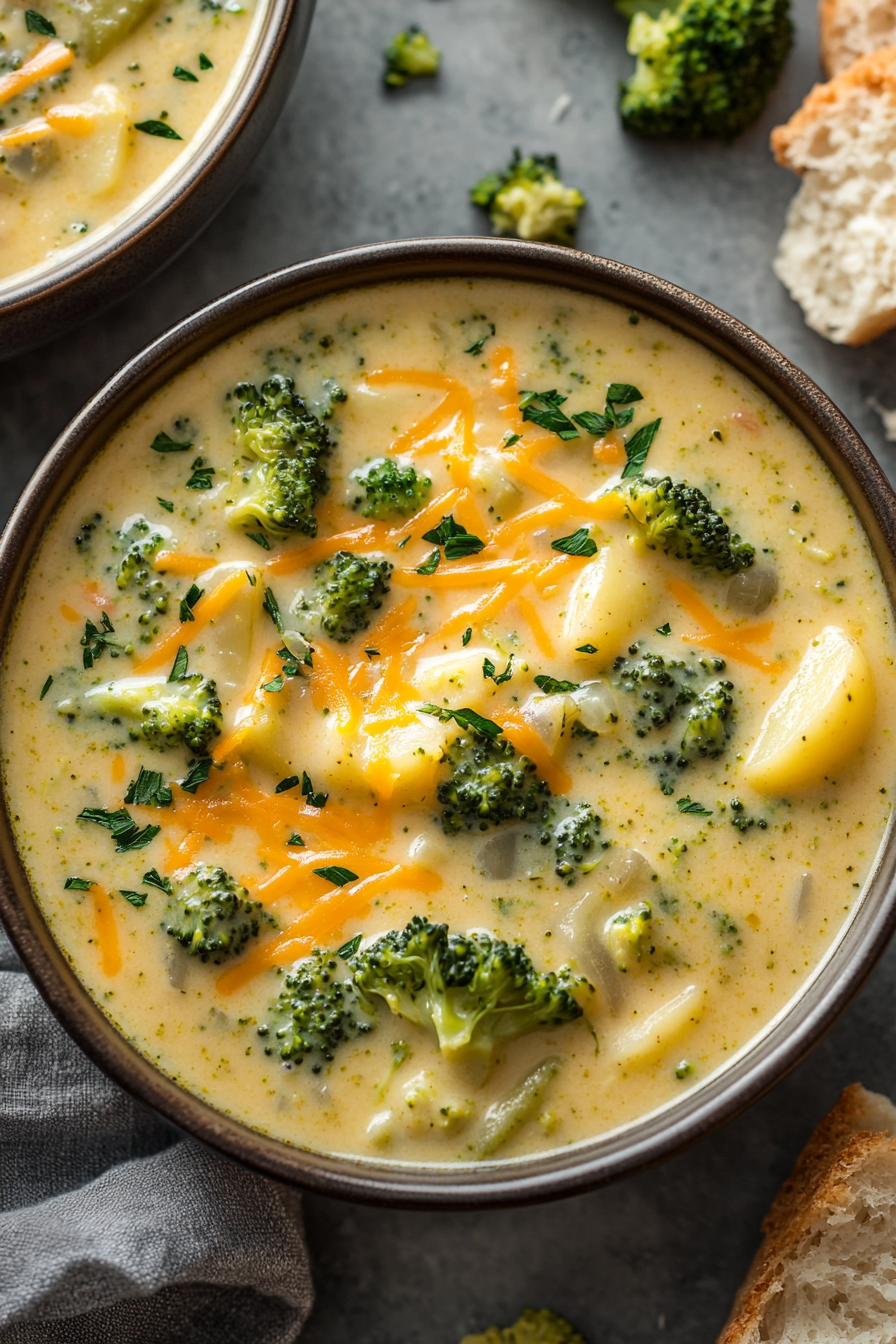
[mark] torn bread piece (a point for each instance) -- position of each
(837, 255)
(854, 28)
(825, 1270)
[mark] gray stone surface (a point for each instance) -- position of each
(658, 1256)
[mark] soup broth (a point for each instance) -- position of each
(527, 616)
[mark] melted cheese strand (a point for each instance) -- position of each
(106, 931)
(208, 608)
(530, 615)
(528, 743)
(48, 60)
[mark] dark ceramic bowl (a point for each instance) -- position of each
(775, 1050)
(47, 302)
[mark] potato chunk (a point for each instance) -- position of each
(609, 601)
(819, 720)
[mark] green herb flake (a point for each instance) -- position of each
(166, 504)
(164, 132)
(149, 790)
(97, 639)
(577, 543)
(46, 686)
(543, 409)
(551, 686)
(197, 774)
(510, 440)
(154, 879)
(464, 718)
(348, 950)
(664, 629)
(339, 876)
(188, 602)
(477, 347)
(137, 898)
(286, 784)
(204, 62)
(692, 809)
(275, 684)
(372, 653)
(180, 665)
(187, 75)
(431, 565)
(296, 841)
(78, 884)
(313, 799)
(585, 648)
(163, 443)
(457, 541)
(621, 394)
(36, 23)
(499, 678)
(200, 475)
(467, 636)
(125, 831)
(637, 448)
(272, 607)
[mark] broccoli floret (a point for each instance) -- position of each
(211, 915)
(488, 784)
(679, 520)
(660, 686)
(574, 838)
(387, 489)
(317, 1011)
(409, 55)
(140, 541)
(629, 935)
(708, 724)
(528, 200)
(533, 1327)
(475, 990)
(274, 426)
(164, 713)
(348, 589)
(705, 67)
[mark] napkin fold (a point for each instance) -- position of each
(115, 1228)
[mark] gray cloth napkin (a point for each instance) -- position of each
(113, 1229)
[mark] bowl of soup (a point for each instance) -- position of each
(123, 129)
(448, 723)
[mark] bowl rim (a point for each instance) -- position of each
(172, 189)
(779, 1047)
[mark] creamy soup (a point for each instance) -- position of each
(97, 101)
(550, 739)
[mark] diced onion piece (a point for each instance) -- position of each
(551, 716)
(609, 600)
(622, 868)
(649, 1040)
(819, 720)
(596, 706)
(752, 590)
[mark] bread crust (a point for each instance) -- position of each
(828, 15)
(873, 75)
(849, 1136)
(853, 28)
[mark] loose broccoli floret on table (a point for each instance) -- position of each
(705, 68)
(679, 520)
(211, 915)
(528, 200)
(347, 590)
(575, 840)
(274, 426)
(409, 55)
(388, 489)
(533, 1327)
(317, 1011)
(475, 990)
(709, 722)
(164, 713)
(487, 784)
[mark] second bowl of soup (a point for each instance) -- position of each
(448, 724)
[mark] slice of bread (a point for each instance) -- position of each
(837, 255)
(854, 28)
(826, 1271)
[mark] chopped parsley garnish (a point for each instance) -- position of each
(312, 799)
(618, 394)
(372, 653)
(180, 665)
(149, 790)
(201, 474)
(286, 784)
(577, 543)
(430, 565)
(166, 504)
(499, 678)
(477, 347)
(197, 774)
(543, 409)
(551, 686)
(97, 639)
(337, 875)
(510, 440)
(154, 879)
(46, 686)
(188, 602)
(467, 636)
(464, 718)
(349, 949)
(163, 443)
(36, 23)
(272, 607)
(260, 540)
(78, 884)
(585, 648)
(125, 831)
(165, 132)
(692, 809)
(664, 629)
(136, 898)
(275, 684)
(296, 841)
(637, 448)
(180, 73)
(457, 541)
(204, 62)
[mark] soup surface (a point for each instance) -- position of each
(97, 101)
(527, 617)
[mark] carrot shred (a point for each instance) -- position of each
(70, 614)
(529, 743)
(118, 768)
(731, 641)
(178, 562)
(49, 59)
(208, 608)
(530, 615)
(106, 931)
